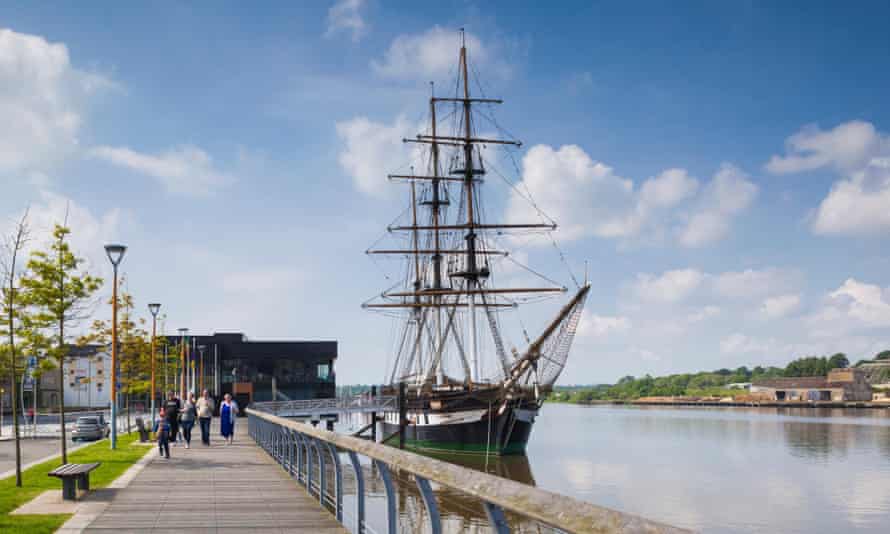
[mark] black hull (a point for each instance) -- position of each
(501, 433)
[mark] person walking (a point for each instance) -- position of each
(172, 408)
(228, 409)
(187, 419)
(162, 431)
(204, 407)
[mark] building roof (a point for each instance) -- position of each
(800, 382)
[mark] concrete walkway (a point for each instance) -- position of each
(220, 489)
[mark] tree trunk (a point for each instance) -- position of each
(62, 359)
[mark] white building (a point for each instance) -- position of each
(87, 372)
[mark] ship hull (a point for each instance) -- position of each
(503, 431)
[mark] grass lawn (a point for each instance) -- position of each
(35, 481)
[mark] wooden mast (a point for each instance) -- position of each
(437, 255)
(472, 273)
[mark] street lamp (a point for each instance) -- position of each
(201, 349)
(182, 333)
(153, 308)
(115, 255)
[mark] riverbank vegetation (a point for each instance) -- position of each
(702, 384)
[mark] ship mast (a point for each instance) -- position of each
(472, 274)
(433, 296)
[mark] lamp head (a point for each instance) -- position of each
(154, 308)
(115, 253)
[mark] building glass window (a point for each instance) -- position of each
(324, 371)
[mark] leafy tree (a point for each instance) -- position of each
(13, 319)
(134, 347)
(838, 361)
(59, 291)
(883, 355)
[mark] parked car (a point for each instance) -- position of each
(89, 428)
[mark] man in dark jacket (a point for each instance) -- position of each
(172, 407)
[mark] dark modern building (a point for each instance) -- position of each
(256, 371)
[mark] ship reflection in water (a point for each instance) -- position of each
(713, 470)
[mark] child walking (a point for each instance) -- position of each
(162, 430)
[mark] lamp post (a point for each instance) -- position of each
(182, 333)
(201, 349)
(115, 255)
(154, 308)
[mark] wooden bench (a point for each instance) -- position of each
(71, 474)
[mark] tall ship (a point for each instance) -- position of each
(464, 389)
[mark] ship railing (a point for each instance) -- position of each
(317, 460)
(339, 405)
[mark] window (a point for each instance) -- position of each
(98, 371)
(323, 371)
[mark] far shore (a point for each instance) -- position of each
(735, 404)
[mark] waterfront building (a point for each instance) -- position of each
(848, 384)
(262, 370)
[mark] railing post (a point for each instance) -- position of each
(308, 465)
(496, 517)
(299, 440)
(391, 516)
(338, 481)
(359, 491)
(429, 500)
(322, 479)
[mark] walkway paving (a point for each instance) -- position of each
(219, 489)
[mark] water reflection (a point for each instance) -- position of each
(712, 469)
(722, 469)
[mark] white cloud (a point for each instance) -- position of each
(856, 204)
(848, 146)
(373, 150)
(42, 103)
(753, 283)
(779, 306)
(728, 194)
(586, 198)
(346, 16)
(597, 326)
(866, 303)
(89, 231)
(672, 286)
(184, 170)
(738, 343)
(434, 54)
(682, 284)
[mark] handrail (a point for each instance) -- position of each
(340, 404)
(495, 493)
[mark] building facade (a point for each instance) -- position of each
(256, 371)
(848, 384)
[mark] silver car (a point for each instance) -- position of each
(89, 429)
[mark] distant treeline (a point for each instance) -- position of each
(705, 383)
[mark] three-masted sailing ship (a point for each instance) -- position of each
(465, 392)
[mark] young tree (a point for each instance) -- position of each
(60, 292)
(13, 321)
(134, 347)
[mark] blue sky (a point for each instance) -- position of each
(723, 167)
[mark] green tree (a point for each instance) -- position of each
(838, 361)
(883, 355)
(60, 291)
(13, 319)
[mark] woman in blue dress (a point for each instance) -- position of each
(228, 409)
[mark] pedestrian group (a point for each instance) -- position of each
(177, 419)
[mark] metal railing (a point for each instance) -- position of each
(302, 450)
(340, 405)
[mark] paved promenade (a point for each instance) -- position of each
(220, 489)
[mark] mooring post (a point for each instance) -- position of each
(403, 409)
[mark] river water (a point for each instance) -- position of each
(709, 469)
